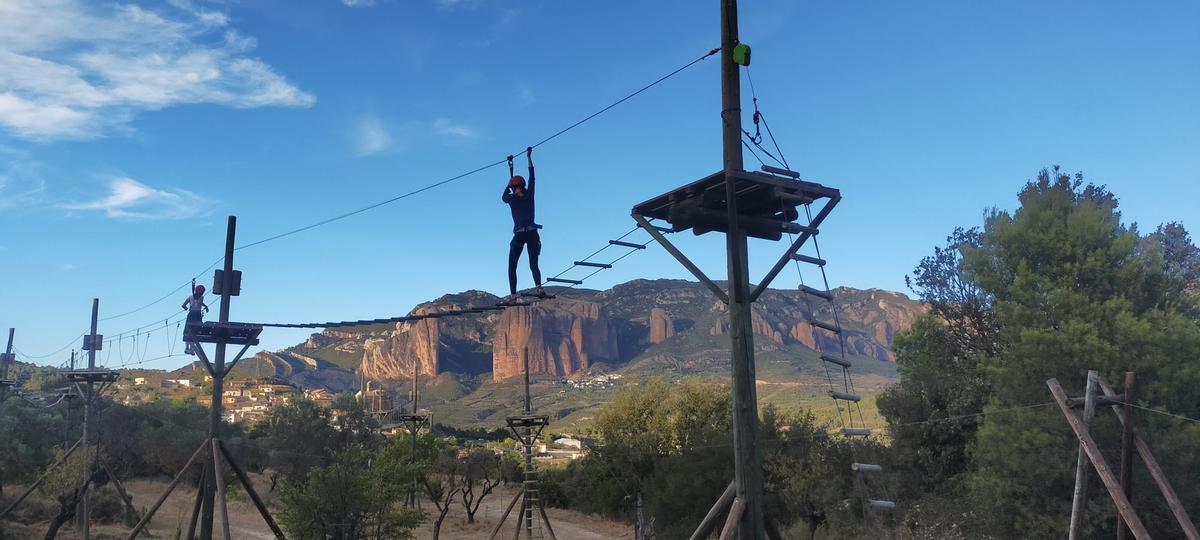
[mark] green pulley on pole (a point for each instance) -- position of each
(741, 54)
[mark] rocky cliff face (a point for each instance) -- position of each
(561, 338)
(661, 326)
(571, 334)
(412, 344)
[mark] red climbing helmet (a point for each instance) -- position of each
(517, 181)
(199, 290)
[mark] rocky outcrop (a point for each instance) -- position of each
(661, 326)
(621, 326)
(561, 337)
(393, 358)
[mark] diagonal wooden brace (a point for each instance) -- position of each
(1156, 472)
(679, 256)
(1124, 507)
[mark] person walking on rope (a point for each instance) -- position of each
(195, 306)
(519, 199)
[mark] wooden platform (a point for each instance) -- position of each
(231, 333)
(91, 375)
(527, 421)
(767, 204)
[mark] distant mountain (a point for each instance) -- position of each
(639, 326)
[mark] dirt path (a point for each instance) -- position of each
(244, 521)
(567, 525)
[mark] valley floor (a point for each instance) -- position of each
(245, 522)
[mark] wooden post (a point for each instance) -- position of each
(41, 479)
(85, 526)
(1156, 472)
(250, 491)
(710, 520)
(504, 516)
(170, 487)
(218, 377)
(4, 362)
(200, 490)
(1097, 458)
(1126, 453)
(747, 458)
(729, 531)
(219, 476)
(1081, 478)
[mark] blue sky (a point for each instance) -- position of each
(128, 132)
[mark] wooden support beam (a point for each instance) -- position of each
(1080, 495)
(219, 476)
(504, 516)
(1156, 472)
(1126, 453)
(679, 256)
(546, 520)
(735, 517)
(41, 479)
(710, 520)
(245, 480)
(1124, 507)
(170, 487)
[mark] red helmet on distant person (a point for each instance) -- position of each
(517, 181)
(199, 289)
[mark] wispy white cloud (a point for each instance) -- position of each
(74, 69)
(66, 267)
(449, 128)
(371, 136)
(22, 184)
(358, 3)
(130, 199)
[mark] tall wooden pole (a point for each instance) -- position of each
(1126, 454)
(748, 460)
(85, 526)
(214, 426)
(1081, 463)
(4, 362)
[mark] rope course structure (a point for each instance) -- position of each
(526, 299)
(393, 199)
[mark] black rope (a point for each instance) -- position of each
(426, 188)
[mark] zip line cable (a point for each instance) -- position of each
(422, 189)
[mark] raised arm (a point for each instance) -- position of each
(529, 158)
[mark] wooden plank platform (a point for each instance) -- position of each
(527, 421)
(767, 204)
(91, 375)
(231, 333)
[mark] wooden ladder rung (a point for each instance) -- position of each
(825, 326)
(592, 264)
(825, 295)
(567, 281)
(780, 171)
(856, 432)
(845, 396)
(807, 259)
(865, 468)
(835, 360)
(626, 244)
(881, 505)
